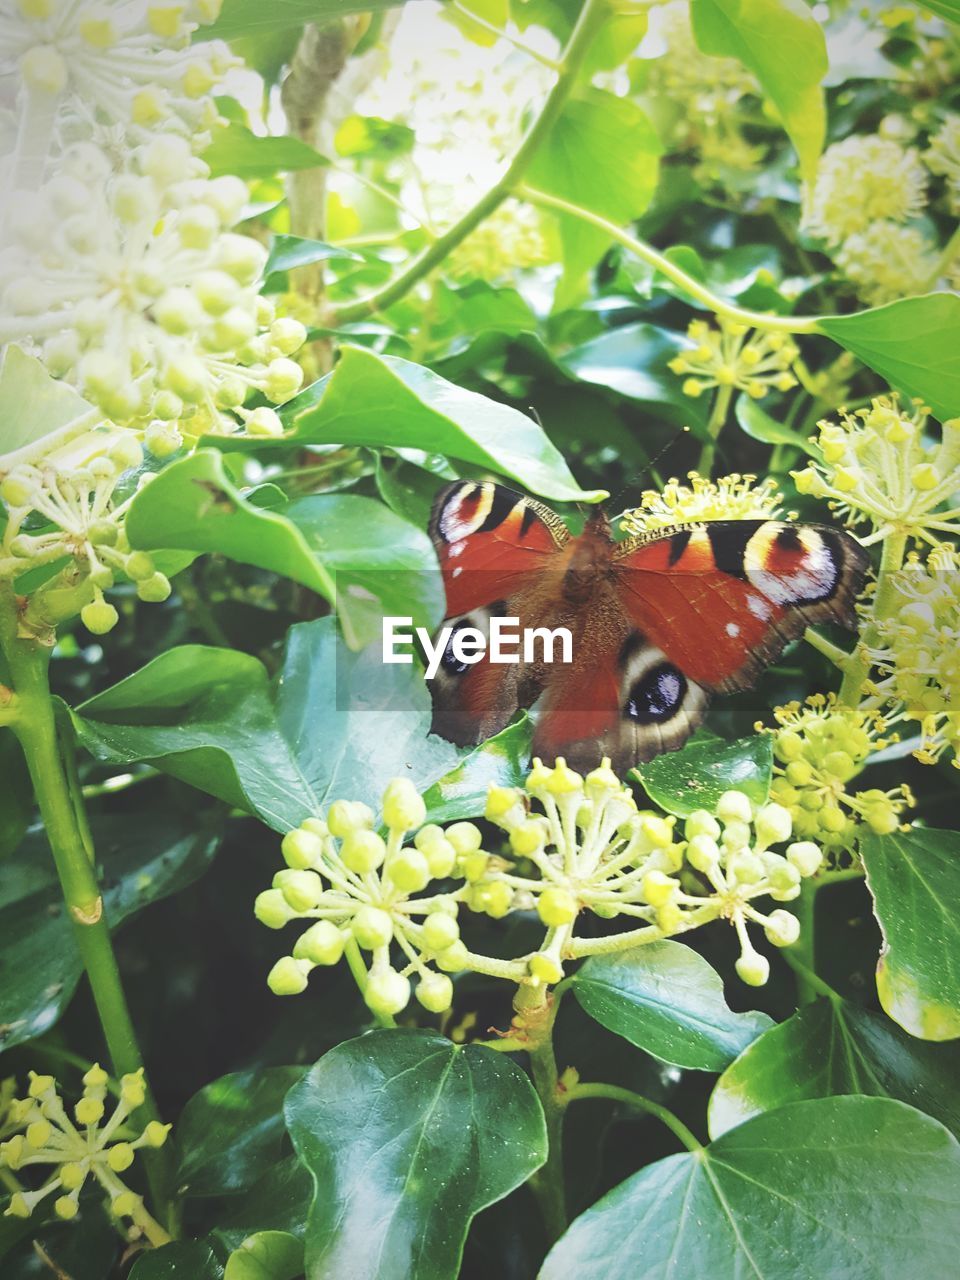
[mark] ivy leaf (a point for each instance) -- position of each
(914, 877)
(39, 960)
(268, 1255)
(238, 150)
(664, 998)
(249, 17)
(385, 402)
(949, 9)
(758, 424)
(585, 160)
(409, 1136)
(832, 1047)
(781, 42)
(32, 404)
(289, 252)
(696, 776)
(206, 716)
(278, 1201)
(632, 361)
(501, 761)
(231, 1132)
(911, 343)
(15, 793)
(182, 1260)
(813, 1189)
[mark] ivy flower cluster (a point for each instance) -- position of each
(879, 465)
(68, 500)
(918, 652)
(131, 285)
(732, 356)
(869, 193)
(820, 746)
(732, 497)
(573, 845)
(943, 158)
(114, 71)
(73, 1146)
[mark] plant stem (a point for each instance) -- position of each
(812, 981)
(718, 417)
(592, 16)
(548, 1183)
(692, 287)
(60, 804)
(839, 657)
(578, 1092)
(858, 665)
(804, 949)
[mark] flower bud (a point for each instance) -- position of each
(287, 335)
(439, 852)
(120, 1157)
(99, 617)
(703, 852)
(133, 1090)
(782, 928)
(403, 806)
(43, 69)
(263, 421)
(72, 1175)
(17, 491)
(734, 806)
(162, 439)
(155, 589)
(322, 943)
(197, 226)
(302, 889)
(701, 823)
(89, 1111)
(805, 857)
(241, 257)
(372, 928)
(435, 993)
(66, 1207)
(301, 849)
(18, 1206)
(773, 824)
(387, 992)
(500, 802)
(166, 158)
(440, 931)
(362, 851)
(454, 958)
(345, 816)
(155, 1134)
(284, 379)
(563, 780)
(745, 868)
(408, 869)
(464, 836)
(753, 968)
(545, 968)
(139, 566)
(39, 1134)
(474, 866)
(527, 837)
(288, 977)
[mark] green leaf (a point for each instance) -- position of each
(278, 1201)
(501, 761)
(696, 776)
(15, 793)
(368, 550)
(232, 1131)
(781, 42)
(355, 722)
(603, 155)
(193, 505)
(32, 404)
(949, 9)
(664, 998)
(912, 343)
(914, 877)
(182, 1260)
(758, 424)
(833, 1047)
(250, 17)
(289, 252)
(39, 960)
(268, 1255)
(835, 1187)
(236, 149)
(632, 361)
(205, 716)
(385, 402)
(408, 1137)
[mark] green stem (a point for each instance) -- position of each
(612, 1091)
(803, 951)
(592, 16)
(858, 665)
(718, 417)
(839, 657)
(548, 1183)
(811, 981)
(351, 951)
(59, 806)
(689, 284)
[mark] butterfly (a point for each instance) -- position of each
(659, 622)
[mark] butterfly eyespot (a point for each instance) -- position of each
(657, 695)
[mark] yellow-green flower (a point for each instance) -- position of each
(732, 497)
(863, 180)
(732, 356)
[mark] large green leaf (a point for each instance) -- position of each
(666, 999)
(914, 877)
(781, 42)
(268, 1255)
(231, 1132)
(32, 404)
(385, 402)
(833, 1047)
(206, 716)
(836, 1187)
(501, 761)
(603, 155)
(913, 343)
(39, 961)
(236, 149)
(250, 17)
(408, 1136)
(696, 776)
(182, 1260)
(632, 361)
(759, 425)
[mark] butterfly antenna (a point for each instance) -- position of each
(648, 467)
(534, 414)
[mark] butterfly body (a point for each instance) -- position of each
(658, 623)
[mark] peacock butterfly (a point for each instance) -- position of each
(659, 622)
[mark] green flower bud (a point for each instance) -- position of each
(545, 968)
(155, 1134)
(322, 943)
(500, 801)
(703, 852)
(734, 806)
(120, 1157)
(745, 868)
(773, 824)
(18, 1206)
(753, 968)
(66, 1207)
(403, 806)
(409, 870)
(464, 836)
(101, 577)
(272, 909)
(89, 1111)
(126, 453)
(387, 992)
(72, 1176)
(497, 899)
(178, 312)
(782, 928)
(102, 533)
(99, 617)
(155, 589)
(453, 959)
(163, 440)
(362, 851)
(287, 335)
(288, 977)
(39, 1134)
(440, 931)
(701, 823)
(17, 491)
(557, 906)
(372, 927)
(235, 327)
(301, 849)
(216, 290)
(263, 421)
(139, 566)
(302, 889)
(435, 993)
(659, 889)
(345, 816)
(197, 226)
(284, 379)
(187, 376)
(240, 257)
(527, 838)
(805, 857)
(474, 866)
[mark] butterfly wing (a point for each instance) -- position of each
(501, 555)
